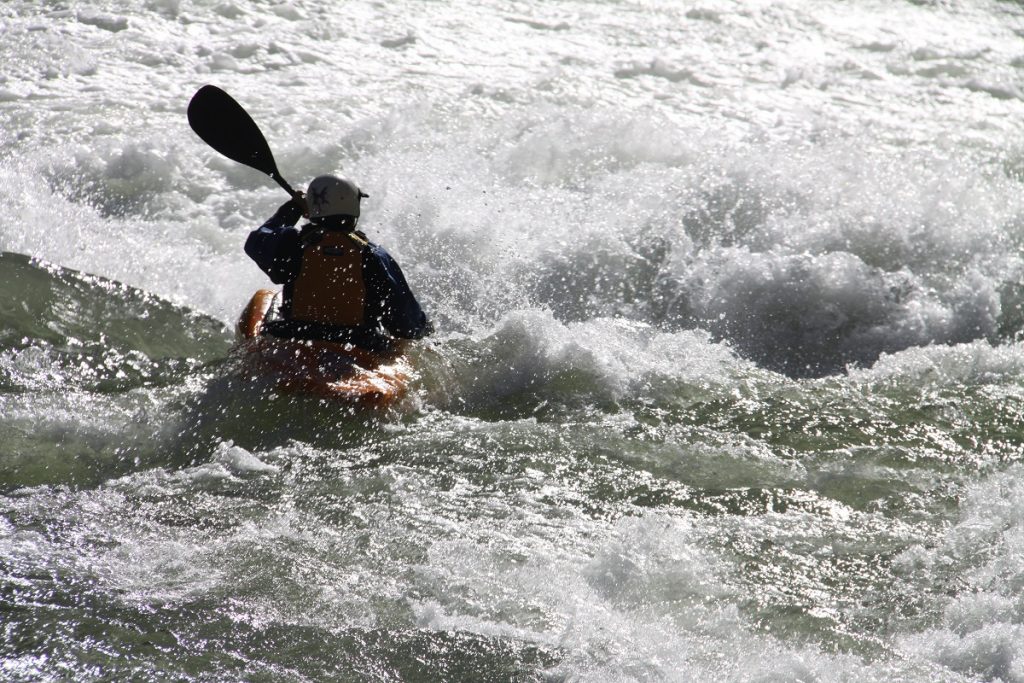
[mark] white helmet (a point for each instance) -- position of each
(329, 195)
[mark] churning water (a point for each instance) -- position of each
(728, 381)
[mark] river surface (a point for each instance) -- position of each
(728, 378)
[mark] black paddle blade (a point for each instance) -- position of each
(223, 124)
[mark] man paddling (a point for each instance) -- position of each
(338, 286)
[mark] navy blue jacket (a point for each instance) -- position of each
(276, 247)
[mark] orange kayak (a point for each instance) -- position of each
(319, 368)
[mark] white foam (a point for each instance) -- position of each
(974, 363)
(530, 355)
(647, 598)
(981, 560)
(239, 460)
(107, 22)
(573, 203)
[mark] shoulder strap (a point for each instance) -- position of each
(313, 235)
(310, 235)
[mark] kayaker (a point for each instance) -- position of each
(338, 286)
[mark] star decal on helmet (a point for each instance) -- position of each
(320, 197)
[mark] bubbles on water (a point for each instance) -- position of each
(45, 52)
(974, 364)
(532, 364)
(239, 460)
(806, 257)
(119, 180)
(977, 562)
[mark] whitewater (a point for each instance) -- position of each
(728, 377)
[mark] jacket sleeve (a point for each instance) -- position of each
(275, 245)
(390, 302)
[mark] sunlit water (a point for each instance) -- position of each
(727, 382)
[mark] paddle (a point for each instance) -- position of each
(223, 124)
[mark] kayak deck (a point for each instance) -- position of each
(319, 368)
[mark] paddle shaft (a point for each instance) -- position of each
(287, 188)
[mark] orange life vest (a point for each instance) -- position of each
(330, 288)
